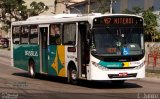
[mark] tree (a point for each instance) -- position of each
(135, 10)
(103, 6)
(37, 8)
(10, 9)
(150, 20)
(15, 10)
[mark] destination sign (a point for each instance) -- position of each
(119, 20)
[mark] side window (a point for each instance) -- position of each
(16, 34)
(33, 36)
(55, 34)
(69, 34)
(24, 34)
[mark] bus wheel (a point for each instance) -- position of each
(118, 82)
(31, 71)
(72, 77)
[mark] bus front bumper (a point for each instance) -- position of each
(116, 74)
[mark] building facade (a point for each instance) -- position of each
(118, 5)
(121, 5)
(61, 6)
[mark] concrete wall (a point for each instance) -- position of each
(121, 5)
(148, 3)
(150, 49)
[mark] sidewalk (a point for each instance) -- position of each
(5, 53)
(152, 74)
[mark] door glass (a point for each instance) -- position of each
(44, 51)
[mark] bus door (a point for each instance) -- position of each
(83, 49)
(43, 49)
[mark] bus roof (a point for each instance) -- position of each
(59, 18)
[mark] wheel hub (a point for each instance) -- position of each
(31, 70)
(74, 74)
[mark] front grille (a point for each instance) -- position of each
(117, 75)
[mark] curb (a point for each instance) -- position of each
(151, 80)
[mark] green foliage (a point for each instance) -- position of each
(15, 10)
(37, 8)
(5, 28)
(127, 11)
(150, 22)
(103, 6)
(1, 47)
(9, 48)
(135, 10)
(150, 18)
(10, 10)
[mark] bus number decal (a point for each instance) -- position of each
(31, 53)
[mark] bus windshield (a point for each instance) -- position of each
(118, 41)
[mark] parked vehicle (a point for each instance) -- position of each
(4, 42)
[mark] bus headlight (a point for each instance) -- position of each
(99, 66)
(140, 66)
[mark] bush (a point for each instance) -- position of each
(8, 48)
(1, 47)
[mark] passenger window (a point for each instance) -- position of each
(34, 34)
(24, 34)
(16, 34)
(69, 34)
(55, 34)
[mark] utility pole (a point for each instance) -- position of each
(89, 6)
(55, 5)
(111, 6)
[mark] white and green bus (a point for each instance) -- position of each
(92, 47)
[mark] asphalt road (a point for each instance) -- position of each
(15, 84)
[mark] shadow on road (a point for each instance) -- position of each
(108, 85)
(83, 83)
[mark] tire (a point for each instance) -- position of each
(118, 82)
(31, 69)
(72, 76)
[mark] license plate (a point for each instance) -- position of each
(123, 74)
